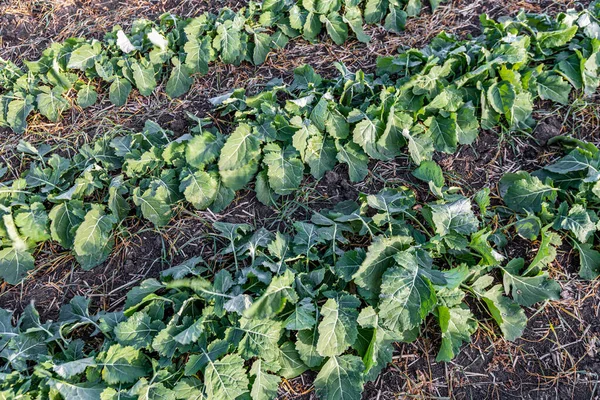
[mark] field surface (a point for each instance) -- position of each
(559, 353)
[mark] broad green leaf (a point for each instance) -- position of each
(70, 369)
(66, 218)
(320, 154)
(380, 257)
(179, 81)
(353, 17)
(33, 222)
(589, 261)
(16, 115)
(528, 290)
(336, 27)
(138, 331)
(357, 161)
(260, 338)
(366, 134)
(341, 378)
(507, 313)
(77, 391)
(51, 104)
(86, 96)
(265, 385)
(227, 41)
(239, 157)
(457, 325)
(306, 345)
(119, 91)
(285, 169)
(501, 96)
(375, 10)
(84, 57)
(525, 192)
(273, 300)
(226, 378)
(93, 239)
(407, 294)
(578, 221)
(199, 188)
(143, 78)
(337, 330)
(155, 203)
(454, 217)
(553, 87)
(555, 38)
(123, 364)
(14, 264)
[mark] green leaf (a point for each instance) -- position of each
(51, 104)
(86, 96)
(341, 378)
(291, 364)
(457, 325)
(155, 203)
(430, 172)
(119, 91)
(239, 157)
(227, 41)
(578, 221)
(528, 290)
(260, 338)
(265, 385)
(226, 379)
(306, 345)
(123, 364)
(262, 47)
(501, 96)
(454, 217)
(507, 313)
(93, 239)
(285, 169)
(347, 265)
(555, 38)
(320, 154)
(395, 20)
(33, 222)
(17, 113)
(275, 297)
(337, 330)
(525, 192)
(179, 82)
(420, 146)
(197, 54)
(353, 17)
(70, 369)
(407, 294)
(375, 10)
(138, 331)
(589, 261)
(443, 133)
(336, 28)
(380, 257)
(351, 154)
(14, 264)
(66, 218)
(143, 78)
(366, 134)
(81, 391)
(199, 188)
(553, 87)
(84, 57)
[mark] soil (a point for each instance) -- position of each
(556, 358)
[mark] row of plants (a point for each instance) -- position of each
(331, 296)
(433, 99)
(174, 49)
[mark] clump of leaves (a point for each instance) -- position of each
(174, 49)
(422, 101)
(296, 301)
(561, 197)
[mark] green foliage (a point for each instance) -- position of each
(239, 332)
(173, 49)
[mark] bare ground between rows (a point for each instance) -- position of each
(557, 358)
